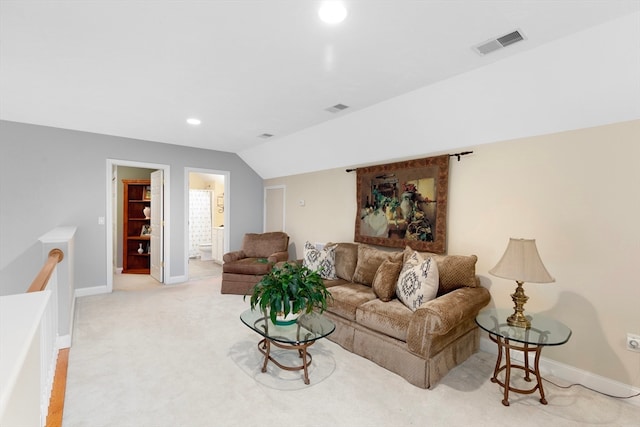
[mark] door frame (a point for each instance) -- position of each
(111, 218)
(156, 240)
(227, 210)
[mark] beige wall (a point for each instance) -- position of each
(329, 207)
(577, 193)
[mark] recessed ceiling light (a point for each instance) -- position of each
(193, 121)
(332, 12)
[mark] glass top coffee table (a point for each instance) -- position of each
(544, 331)
(298, 336)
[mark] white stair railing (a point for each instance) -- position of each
(28, 348)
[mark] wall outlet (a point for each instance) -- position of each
(633, 342)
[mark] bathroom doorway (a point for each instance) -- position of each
(206, 220)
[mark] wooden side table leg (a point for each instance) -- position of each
(507, 373)
(498, 360)
(303, 354)
(527, 378)
(267, 347)
(536, 364)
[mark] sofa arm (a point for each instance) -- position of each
(441, 315)
(278, 257)
(233, 256)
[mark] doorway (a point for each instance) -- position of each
(274, 208)
(206, 213)
(116, 171)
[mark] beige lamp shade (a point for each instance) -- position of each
(521, 262)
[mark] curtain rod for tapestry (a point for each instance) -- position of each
(458, 155)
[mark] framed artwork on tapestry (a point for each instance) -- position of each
(404, 204)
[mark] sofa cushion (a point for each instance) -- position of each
(347, 298)
(385, 280)
(322, 261)
(390, 318)
(418, 281)
(369, 259)
(261, 245)
(455, 271)
(337, 282)
(247, 266)
(346, 259)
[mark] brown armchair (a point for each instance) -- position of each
(242, 269)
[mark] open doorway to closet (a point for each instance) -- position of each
(147, 240)
(206, 214)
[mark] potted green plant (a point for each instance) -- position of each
(290, 288)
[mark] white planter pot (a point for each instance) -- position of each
(289, 319)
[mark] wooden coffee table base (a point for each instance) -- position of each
(265, 348)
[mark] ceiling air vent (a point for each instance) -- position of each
(265, 135)
(337, 108)
(498, 43)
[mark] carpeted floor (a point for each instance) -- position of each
(199, 269)
(179, 356)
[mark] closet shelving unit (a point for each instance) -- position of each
(137, 196)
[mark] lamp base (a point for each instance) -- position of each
(518, 318)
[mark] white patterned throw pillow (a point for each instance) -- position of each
(418, 281)
(323, 261)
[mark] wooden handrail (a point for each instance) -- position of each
(41, 280)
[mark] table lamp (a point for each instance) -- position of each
(521, 262)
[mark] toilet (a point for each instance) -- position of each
(205, 252)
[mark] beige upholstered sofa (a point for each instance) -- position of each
(242, 269)
(421, 345)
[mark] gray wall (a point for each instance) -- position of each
(52, 177)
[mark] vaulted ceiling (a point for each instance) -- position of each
(246, 68)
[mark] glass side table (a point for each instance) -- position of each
(544, 332)
(307, 329)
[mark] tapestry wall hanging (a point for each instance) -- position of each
(404, 204)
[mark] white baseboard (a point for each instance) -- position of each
(85, 292)
(175, 279)
(571, 374)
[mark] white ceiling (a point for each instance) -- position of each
(139, 68)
